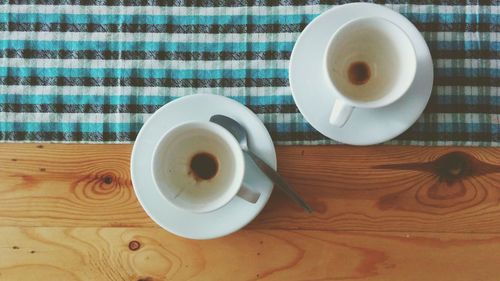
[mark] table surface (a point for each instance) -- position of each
(68, 212)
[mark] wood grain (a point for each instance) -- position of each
(351, 188)
(68, 212)
(387, 188)
(72, 185)
(435, 189)
(70, 254)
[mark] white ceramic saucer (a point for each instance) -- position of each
(238, 212)
(315, 101)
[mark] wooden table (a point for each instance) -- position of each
(68, 212)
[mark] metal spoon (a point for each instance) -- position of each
(240, 134)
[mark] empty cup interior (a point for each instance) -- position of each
(183, 186)
(370, 60)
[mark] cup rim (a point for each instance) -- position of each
(374, 103)
(234, 147)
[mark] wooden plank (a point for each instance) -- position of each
(151, 254)
(352, 188)
(68, 185)
(390, 188)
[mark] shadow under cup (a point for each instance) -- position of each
(370, 61)
(198, 166)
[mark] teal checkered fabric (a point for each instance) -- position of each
(95, 70)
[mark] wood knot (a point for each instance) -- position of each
(445, 188)
(39, 146)
(453, 166)
(107, 179)
(134, 245)
(101, 190)
(145, 279)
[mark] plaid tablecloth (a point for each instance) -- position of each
(95, 70)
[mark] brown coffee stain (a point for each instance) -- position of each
(203, 166)
(359, 72)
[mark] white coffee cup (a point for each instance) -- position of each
(199, 167)
(368, 63)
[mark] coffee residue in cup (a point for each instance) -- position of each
(203, 166)
(359, 73)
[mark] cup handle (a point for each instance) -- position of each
(247, 194)
(340, 113)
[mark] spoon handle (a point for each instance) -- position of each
(278, 180)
